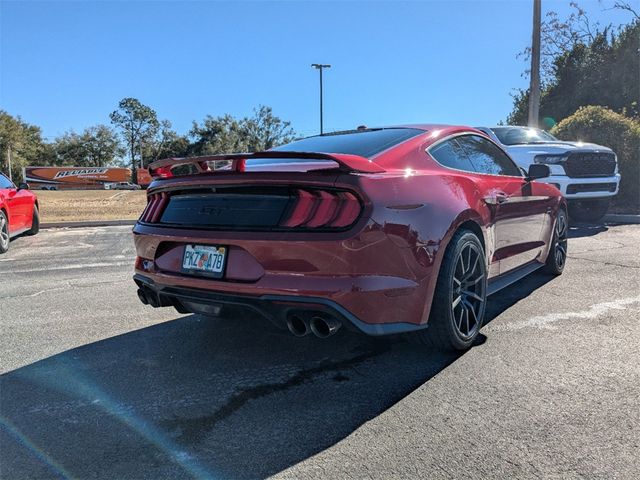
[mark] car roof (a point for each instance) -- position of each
(427, 127)
(510, 126)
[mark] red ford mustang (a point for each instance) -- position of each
(379, 230)
(18, 211)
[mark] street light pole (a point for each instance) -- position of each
(534, 85)
(320, 67)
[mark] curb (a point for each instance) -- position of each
(99, 223)
(622, 218)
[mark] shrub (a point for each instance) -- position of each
(622, 134)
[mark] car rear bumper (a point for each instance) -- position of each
(373, 278)
(585, 188)
(274, 307)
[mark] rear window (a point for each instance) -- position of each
(365, 143)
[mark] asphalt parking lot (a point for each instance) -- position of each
(96, 385)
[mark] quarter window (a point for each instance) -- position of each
(486, 157)
(451, 154)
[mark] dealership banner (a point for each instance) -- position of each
(75, 177)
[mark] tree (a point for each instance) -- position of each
(218, 135)
(622, 5)
(137, 123)
(603, 72)
(264, 130)
(226, 134)
(24, 143)
(96, 146)
(166, 143)
(559, 36)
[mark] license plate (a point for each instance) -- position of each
(206, 260)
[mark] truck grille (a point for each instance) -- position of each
(591, 187)
(591, 164)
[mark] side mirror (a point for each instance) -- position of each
(23, 186)
(538, 170)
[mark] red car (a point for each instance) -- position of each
(379, 230)
(18, 212)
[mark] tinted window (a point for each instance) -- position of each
(5, 182)
(365, 143)
(522, 135)
(450, 154)
(486, 157)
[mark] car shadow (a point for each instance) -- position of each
(206, 398)
(508, 297)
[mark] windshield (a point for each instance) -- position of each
(522, 135)
(365, 143)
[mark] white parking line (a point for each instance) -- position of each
(548, 321)
(75, 266)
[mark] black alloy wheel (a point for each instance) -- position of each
(557, 258)
(457, 310)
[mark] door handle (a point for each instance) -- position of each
(497, 198)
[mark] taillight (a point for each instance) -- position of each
(156, 204)
(322, 209)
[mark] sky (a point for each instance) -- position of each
(65, 65)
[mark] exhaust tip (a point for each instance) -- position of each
(153, 299)
(297, 325)
(143, 297)
(324, 327)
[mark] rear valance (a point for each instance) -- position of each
(343, 162)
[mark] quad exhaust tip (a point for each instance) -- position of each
(320, 326)
(153, 299)
(143, 296)
(297, 325)
(149, 297)
(324, 327)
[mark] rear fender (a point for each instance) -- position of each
(422, 212)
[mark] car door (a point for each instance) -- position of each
(451, 153)
(15, 205)
(518, 214)
(25, 200)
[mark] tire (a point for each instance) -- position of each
(588, 211)
(35, 223)
(557, 258)
(4, 232)
(456, 317)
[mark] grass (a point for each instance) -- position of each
(90, 205)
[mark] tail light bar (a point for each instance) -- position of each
(156, 204)
(308, 209)
(322, 209)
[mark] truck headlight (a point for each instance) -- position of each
(550, 159)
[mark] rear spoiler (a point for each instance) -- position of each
(346, 162)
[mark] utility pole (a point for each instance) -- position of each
(320, 67)
(534, 85)
(9, 160)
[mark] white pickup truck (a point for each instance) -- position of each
(585, 173)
